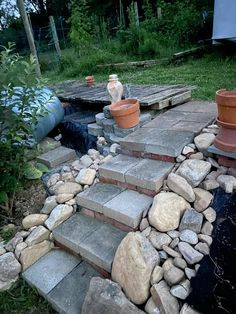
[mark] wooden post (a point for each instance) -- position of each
(136, 13)
(29, 34)
(54, 35)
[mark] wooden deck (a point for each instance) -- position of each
(152, 96)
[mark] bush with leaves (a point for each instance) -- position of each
(19, 111)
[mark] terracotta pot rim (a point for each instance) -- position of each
(226, 93)
(124, 107)
(226, 125)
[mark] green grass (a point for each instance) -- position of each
(206, 74)
(21, 299)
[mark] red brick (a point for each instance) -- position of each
(146, 191)
(87, 212)
(227, 162)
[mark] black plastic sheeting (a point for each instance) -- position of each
(214, 287)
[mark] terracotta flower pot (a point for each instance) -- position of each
(90, 80)
(126, 113)
(226, 102)
(226, 138)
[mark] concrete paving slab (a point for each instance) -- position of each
(127, 207)
(116, 168)
(168, 142)
(201, 117)
(68, 296)
(197, 106)
(50, 269)
(94, 240)
(57, 156)
(97, 195)
(149, 174)
(95, 129)
(100, 247)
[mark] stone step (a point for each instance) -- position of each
(57, 156)
(62, 279)
(120, 205)
(92, 239)
(144, 175)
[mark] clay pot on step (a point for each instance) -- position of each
(126, 113)
(226, 138)
(90, 80)
(226, 103)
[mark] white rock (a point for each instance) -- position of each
(210, 214)
(182, 290)
(93, 153)
(143, 224)
(207, 228)
(9, 267)
(174, 243)
(159, 239)
(205, 238)
(49, 204)
(170, 251)
(213, 162)
(180, 158)
(38, 235)
(203, 199)
(210, 185)
(189, 272)
(203, 141)
(198, 156)
(189, 253)
(71, 202)
(194, 171)
(86, 176)
(33, 220)
(32, 253)
(166, 211)
(133, 264)
(76, 165)
(67, 177)
(228, 183)
(180, 262)
(58, 215)
(53, 179)
(187, 150)
(180, 186)
(187, 309)
(151, 307)
(20, 247)
(55, 187)
(62, 198)
(173, 275)
(86, 161)
(212, 175)
(173, 234)
(157, 274)
(106, 159)
(169, 263)
(189, 236)
(113, 148)
(202, 248)
(69, 188)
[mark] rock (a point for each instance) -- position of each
(163, 255)
(189, 272)
(212, 175)
(170, 251)
(159, 239)
(2, 249)
(191, 220)
(20, 247)
(210, 214)
(38, 235)
(33, 220)
(182, 290)
(180, 158)
(222, 170)
(53, 188)
(11, 245)
(49, 204)
(168, 264)
(203, 141)
(174, 243)
(162, 297)
(68, 188)
(194, 171)
(106, 159)
(58, 215)
(173, 275)
(151, 307)
(106, 297)
(93, 153)
(202, 248)
(207, 228)
(189, 236)
(180, 262)
(173, 234)
(113, 148)
(5, 285)
(210, 185)
(86, 161)
(71, 202)
(203, 199)
(143, 224)
(198, 156)
(9, 267)
(166, 210)
(213, 162)
(86, 176)
(53, 179)
(205, 238)
(189, 253)
(67, 177)
(76, 165)
(146, 232)
(180, 186)
(62, 198)
(133, 264)
(187, 150)
(187, 309)
(228, 183)
(157, 274)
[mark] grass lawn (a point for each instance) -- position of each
(207, 74)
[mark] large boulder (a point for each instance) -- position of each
(38, 235)
(33, 220)
(59, 214)
(133, 264)
(180, 186)
(9, 270)
(105, 297)
(166, 211)
(194, 171)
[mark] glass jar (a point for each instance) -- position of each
(114, 88)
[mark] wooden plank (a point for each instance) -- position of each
(179, 99)
(153, 99)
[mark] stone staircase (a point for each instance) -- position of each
(114, 206)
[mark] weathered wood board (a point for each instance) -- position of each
(152, 96)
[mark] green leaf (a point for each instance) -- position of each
(32, 173)
(42, 167)
(3, 197)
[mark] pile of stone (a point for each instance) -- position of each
(35, 240)
(106, 128)
(155, 264)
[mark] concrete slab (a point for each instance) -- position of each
(117, 167)
(201, 117)
(197, 106)
(95, 129)
(217, 151)
(97, 195)
(149, 174)
(68, 296)
(92, 239)
(120, 132)
(50, 269)
(127, 207)
(168, 142)
(57, 156)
